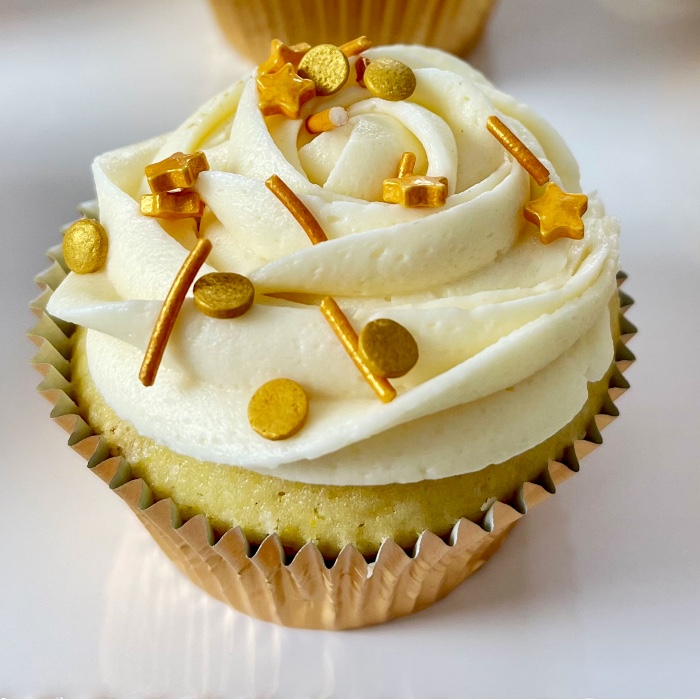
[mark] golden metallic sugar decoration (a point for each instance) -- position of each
(356, 46)
(327, 66)
(557, 214)
(297, 209)
(411, 190)
(284, 92)
(280, 54)
(406, 164)
(327, 120)
(389, 79)
(170, 310)
(518, 150)
(223, 294)
(343, 329)
(177, 172)
(85, 246)
(387, 348)
(278, 409)
(172, 205)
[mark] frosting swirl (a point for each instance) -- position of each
(499, 318)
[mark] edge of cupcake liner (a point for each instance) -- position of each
(306, 592)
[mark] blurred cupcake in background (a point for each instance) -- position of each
(451, 25)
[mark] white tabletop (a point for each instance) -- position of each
(597, 592)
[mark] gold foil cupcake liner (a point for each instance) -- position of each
(452, 25)
(305, 591)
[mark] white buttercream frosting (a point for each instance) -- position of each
(510, 331)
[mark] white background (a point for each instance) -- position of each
(596, 593)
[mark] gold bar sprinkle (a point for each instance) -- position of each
(170, 310)
(356, 46)
(518, 150)
(327, 120)
(297, 209)
(342, 327)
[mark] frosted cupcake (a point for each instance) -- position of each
(505, 287)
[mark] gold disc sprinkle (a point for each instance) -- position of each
(223, 294)
(387, 348)
(85, 246)
(327, 66)
(278, 409)
(389, 79)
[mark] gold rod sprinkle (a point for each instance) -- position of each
(356, 46)
(338, 321)
(407, 163)
(170, 309)
(329, 119)
(297, 209)
(518, 150)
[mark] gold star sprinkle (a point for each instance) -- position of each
(557, 214)
(177, 172)
(278, 409)
(411, 190)
(172, 205)
(280, 54)
(284, 92)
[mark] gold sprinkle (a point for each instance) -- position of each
(278, 409)
(284, 92)
(297, 209)
(356, 46)
(327, 66)
(341, 326)
(223, 294)
(327, 120)
(85, 246)
(557, 214)
(170, 310)
(177, 172)
(406, 164)
(389, 79)
(172, 205)
(411, 190)
(280, 54)
(518, 150)
(387, 348)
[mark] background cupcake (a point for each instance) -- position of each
(452, 25)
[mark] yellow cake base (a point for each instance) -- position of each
(331, 516)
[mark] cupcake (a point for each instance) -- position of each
(451, 25)
(403, 331)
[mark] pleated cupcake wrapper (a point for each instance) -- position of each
(307, 591)
(250, 25)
